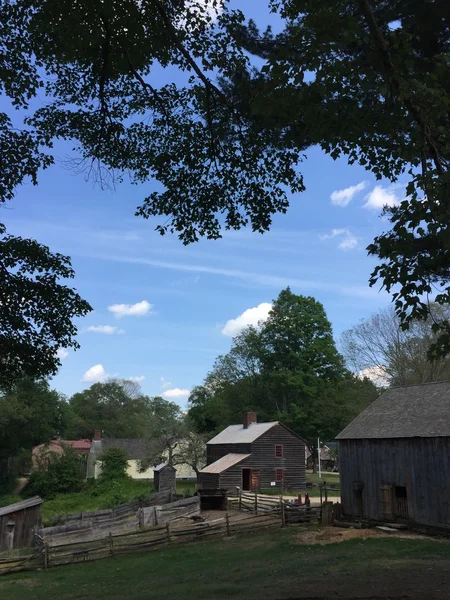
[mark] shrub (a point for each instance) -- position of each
(114, 464)
(63, 475)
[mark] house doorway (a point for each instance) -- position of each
(255, 478)
(246, 480)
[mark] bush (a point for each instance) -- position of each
(63, 475)
(114, 464)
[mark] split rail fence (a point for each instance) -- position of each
(290, 511)
(117, 545)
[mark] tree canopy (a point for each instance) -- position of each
(117, 407)
(37, 309)
(366, 79)
(285, 369)
(30, 414)
(380, 347)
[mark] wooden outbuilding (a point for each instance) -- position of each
(17, 522)
(164, 478)
(395, 458)
(254, 455)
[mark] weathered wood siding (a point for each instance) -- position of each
(422, 465)
(264, 460)
(208, 481)
(24, 522)
(232, 477)
(216, 451)
(165, 480)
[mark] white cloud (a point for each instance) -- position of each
(251, 316)
(165, 384)
(106, 329)
(176, 393)
(137, 379)
(375, 374)
(131, 310)
(345, 196)
(62, 353)
(380, 197)
(348, 241)
(95, 374)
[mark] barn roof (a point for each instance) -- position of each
(12, 508)
(404, 412)
(237, 434)
(224, 463)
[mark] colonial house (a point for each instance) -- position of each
(137, 450)
(254, 455)
(395, 457)
(41, 454)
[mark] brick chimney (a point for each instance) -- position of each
(97, 434)
(249, 418)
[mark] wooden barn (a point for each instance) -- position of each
(395, 457)
(164, 478)
(17, 522)
(254, 455)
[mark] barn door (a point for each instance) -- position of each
(256, 481)
(386, 502)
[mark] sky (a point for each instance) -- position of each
(163, 311)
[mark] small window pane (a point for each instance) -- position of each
(278, 451)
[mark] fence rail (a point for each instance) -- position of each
(117, 545)
(91, 530)
(260, 504)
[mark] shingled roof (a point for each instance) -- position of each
(238, 434)
(405, 412)
(136, 449)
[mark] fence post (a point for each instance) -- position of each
(227, 520)
(256, 502)
(168, 531)
(320, 488)
(283, 516)
(240, 499)
(111, 544)
(325, 490)
(46, 555)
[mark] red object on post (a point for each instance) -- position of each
(307, 500)
(299, 498)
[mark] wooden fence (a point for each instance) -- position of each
(120, 523)
(101, 516)
(260, 504)
(116, 545)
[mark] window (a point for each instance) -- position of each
(278, 451)
(279, 474)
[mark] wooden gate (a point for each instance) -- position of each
(256, 481)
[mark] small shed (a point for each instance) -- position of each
(17, 522)
(395, 457)
(164, 478)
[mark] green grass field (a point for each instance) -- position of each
(97, 496)
(278, 565)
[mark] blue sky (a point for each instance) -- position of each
(161, 310)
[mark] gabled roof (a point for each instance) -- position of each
(162, 466)
(237, 434)
(224, 463)
(136, 449)
(404, 412)
(13, 508)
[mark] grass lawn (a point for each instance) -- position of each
(274, 565)
(97, 496)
